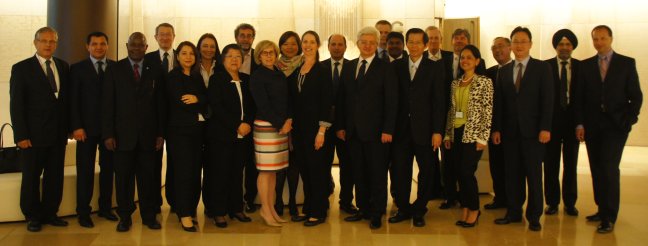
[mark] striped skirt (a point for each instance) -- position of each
(270, 147)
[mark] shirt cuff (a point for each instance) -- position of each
(325, 124)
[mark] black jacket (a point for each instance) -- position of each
(85, 97)
(178, 84)
(226, 107)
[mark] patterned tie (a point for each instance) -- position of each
(50, 75)
(603, 67)
(336, 76)
(564, 87)
(518, 79)
(165, 62)
(136, 71)
(100, 70)
(412, 72)
(361, 72)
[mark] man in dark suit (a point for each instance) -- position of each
(164, 57)
(396, 46)
(419, 125)
(85, 122)
(523, 110)
(337, 48)
(502, 53)
(132, 127)
(563, 129)
(38, 106)
(244, 35)
(607, 104)
(384, 27)
(366, 117)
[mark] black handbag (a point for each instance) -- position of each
(9, 155)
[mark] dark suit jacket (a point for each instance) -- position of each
(446, 65)
(368, 106)
(154, 58)
(36, 113)
(313, 104)
(177, 85)
(85, 97)
(531, 109)
(327, 64)
(563, 116)
(133, 111)
(421, 102)
(491, 73)
(619, 93)
(253, 65)
(226, 107)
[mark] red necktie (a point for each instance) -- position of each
(136, 71)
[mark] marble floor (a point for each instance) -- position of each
(631, 227)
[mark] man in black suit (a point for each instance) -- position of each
(85, 122)
(502, 53)
(165, 58)
(384, 27)
(523, 110)
(419, 125)
(244, 35)
(366, 113)
(396, 46)
(132, 127)
(563, 139)
(337, 48)
(607, 104)
(38, 106)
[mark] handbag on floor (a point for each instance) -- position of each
(9, 155)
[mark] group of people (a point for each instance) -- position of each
(254, 118)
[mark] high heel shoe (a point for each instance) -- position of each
(220, 224)
(467, 225)
(240, 217)
(460, 223)
(269, 222)
(191, 228)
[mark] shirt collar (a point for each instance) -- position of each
(506, 63)
(170, 52)
(524, 61)
(607, 55)
(369, 59)
(561, 60)
(42, 60)
(415, 63)
(333, 61)
(95, 60)
(134, 62)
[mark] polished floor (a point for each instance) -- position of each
(560, 229)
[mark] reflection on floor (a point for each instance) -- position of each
(631, 227)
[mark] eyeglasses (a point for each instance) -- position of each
(267, 53)
(364, 42)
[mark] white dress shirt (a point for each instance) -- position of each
(42, 61)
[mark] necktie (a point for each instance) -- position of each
(100, 70)
(412, 72)
(361, 72)
(136, 71)
(603, 67)
(518, 79)
(384, 56)
(50, 76)
(564, 90)
(165, 62)
(336, 76)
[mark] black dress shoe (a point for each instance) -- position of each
(191, 228)
(494, 205)
(593, 218)
(315, 222)
(109, 215)
(34, 226)
(468, 225)
(460, 223)
(240, 217)
(356, 217)
(418, 221)
(349, 209)
(298, 218)
(56, 221)
(292, 209)
(124, 225)
(605, 227)
(571, 211)
(220, 223)
(153, 224)
(551, 210)
(398, 217)
(535, 226)
(506, 220)
(250, 207)
(375, 223)
(85, 221)
(447, 204)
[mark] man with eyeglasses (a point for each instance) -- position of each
(38, 105)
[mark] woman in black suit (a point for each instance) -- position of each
(310, 91)
(230, 141)
(186, 104)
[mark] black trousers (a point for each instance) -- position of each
(523, 160)
(369, 162)
(184, 155)
(563, 140)
(207, 185)
(450, 191)
(226, 175)
(315, 172)
(130, 165)
(464, 159)
(86, 153)
(157, 180)
(403, 152)
(289, 175)
(498, 171)
(346, 172)
(49, 161)
(604, 151)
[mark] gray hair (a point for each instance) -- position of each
(369, 30)
(44, 30)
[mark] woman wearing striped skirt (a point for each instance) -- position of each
(271, 127)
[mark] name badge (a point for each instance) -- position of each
(459, 115)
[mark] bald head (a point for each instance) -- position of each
(136, 46)
(337, 46)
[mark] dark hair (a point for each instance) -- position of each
(604, 27)
(460, 31)
(343, 37)
(244, 26)
(521, 29)
(426, 39)
(217, 56)
(164, 25)
(397, 35)
(96, 34)
(475, 52)
(233, 47)
(193, 47)
(383, 22)
(317, 40)
(285, 36)
(506, 40)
